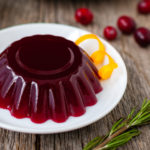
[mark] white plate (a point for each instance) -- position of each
(113, 89)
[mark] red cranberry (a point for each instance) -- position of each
(110, 33)
(144, 7)
(83, 16)
(142, 36)
(126, 24)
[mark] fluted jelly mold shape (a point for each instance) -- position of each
(47, 77)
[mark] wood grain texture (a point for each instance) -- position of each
(137, 61)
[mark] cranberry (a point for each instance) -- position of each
(110, 33)
(83, 16)
(142, 36)
(144, 7)
(126, 24)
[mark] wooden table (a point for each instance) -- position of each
(137, 59)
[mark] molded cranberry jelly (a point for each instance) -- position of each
(47, 77)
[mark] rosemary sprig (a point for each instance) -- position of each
(123, 130)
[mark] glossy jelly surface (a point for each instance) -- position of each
(47, 77)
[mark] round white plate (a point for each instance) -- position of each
(113, 89)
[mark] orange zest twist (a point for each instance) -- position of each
(98, 56)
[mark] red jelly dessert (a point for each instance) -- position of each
(47, 77)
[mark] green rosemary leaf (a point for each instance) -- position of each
(131, 114)
(93, 143)
(121, 139)
(121, 125)
(145, 105)
(142, 120)
(144, 102)
(118, 125)
(113, 129)
(143, 116)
